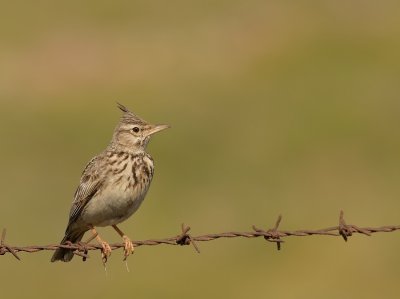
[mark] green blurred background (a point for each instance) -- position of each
(285, 107)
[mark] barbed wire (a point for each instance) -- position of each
(184, 238)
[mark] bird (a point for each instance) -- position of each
(112, 185)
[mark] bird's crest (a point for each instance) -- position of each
(128, 116)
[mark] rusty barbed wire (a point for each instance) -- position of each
(184, 238)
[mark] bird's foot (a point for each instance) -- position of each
(105, 251)
(128, 247)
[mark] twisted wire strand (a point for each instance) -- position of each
(184, 238)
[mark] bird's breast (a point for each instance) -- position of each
(124, 190)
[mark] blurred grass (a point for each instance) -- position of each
(276, 107)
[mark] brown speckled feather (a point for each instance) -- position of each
(91, 181)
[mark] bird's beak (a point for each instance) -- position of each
(157, 128)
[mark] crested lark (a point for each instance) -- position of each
(112, 186)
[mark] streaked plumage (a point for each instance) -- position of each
(114, 183)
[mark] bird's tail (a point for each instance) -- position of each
(64, 254)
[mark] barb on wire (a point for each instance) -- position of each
(185, 239)
(274, 235)
(6, 248)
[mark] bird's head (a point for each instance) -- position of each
(132, 134)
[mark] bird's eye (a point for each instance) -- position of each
(136, 129)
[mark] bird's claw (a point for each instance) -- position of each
(128, 247)
(105, 251)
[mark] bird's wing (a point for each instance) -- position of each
(91, 182)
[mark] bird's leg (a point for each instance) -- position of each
(106, 249)
(128, 245)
